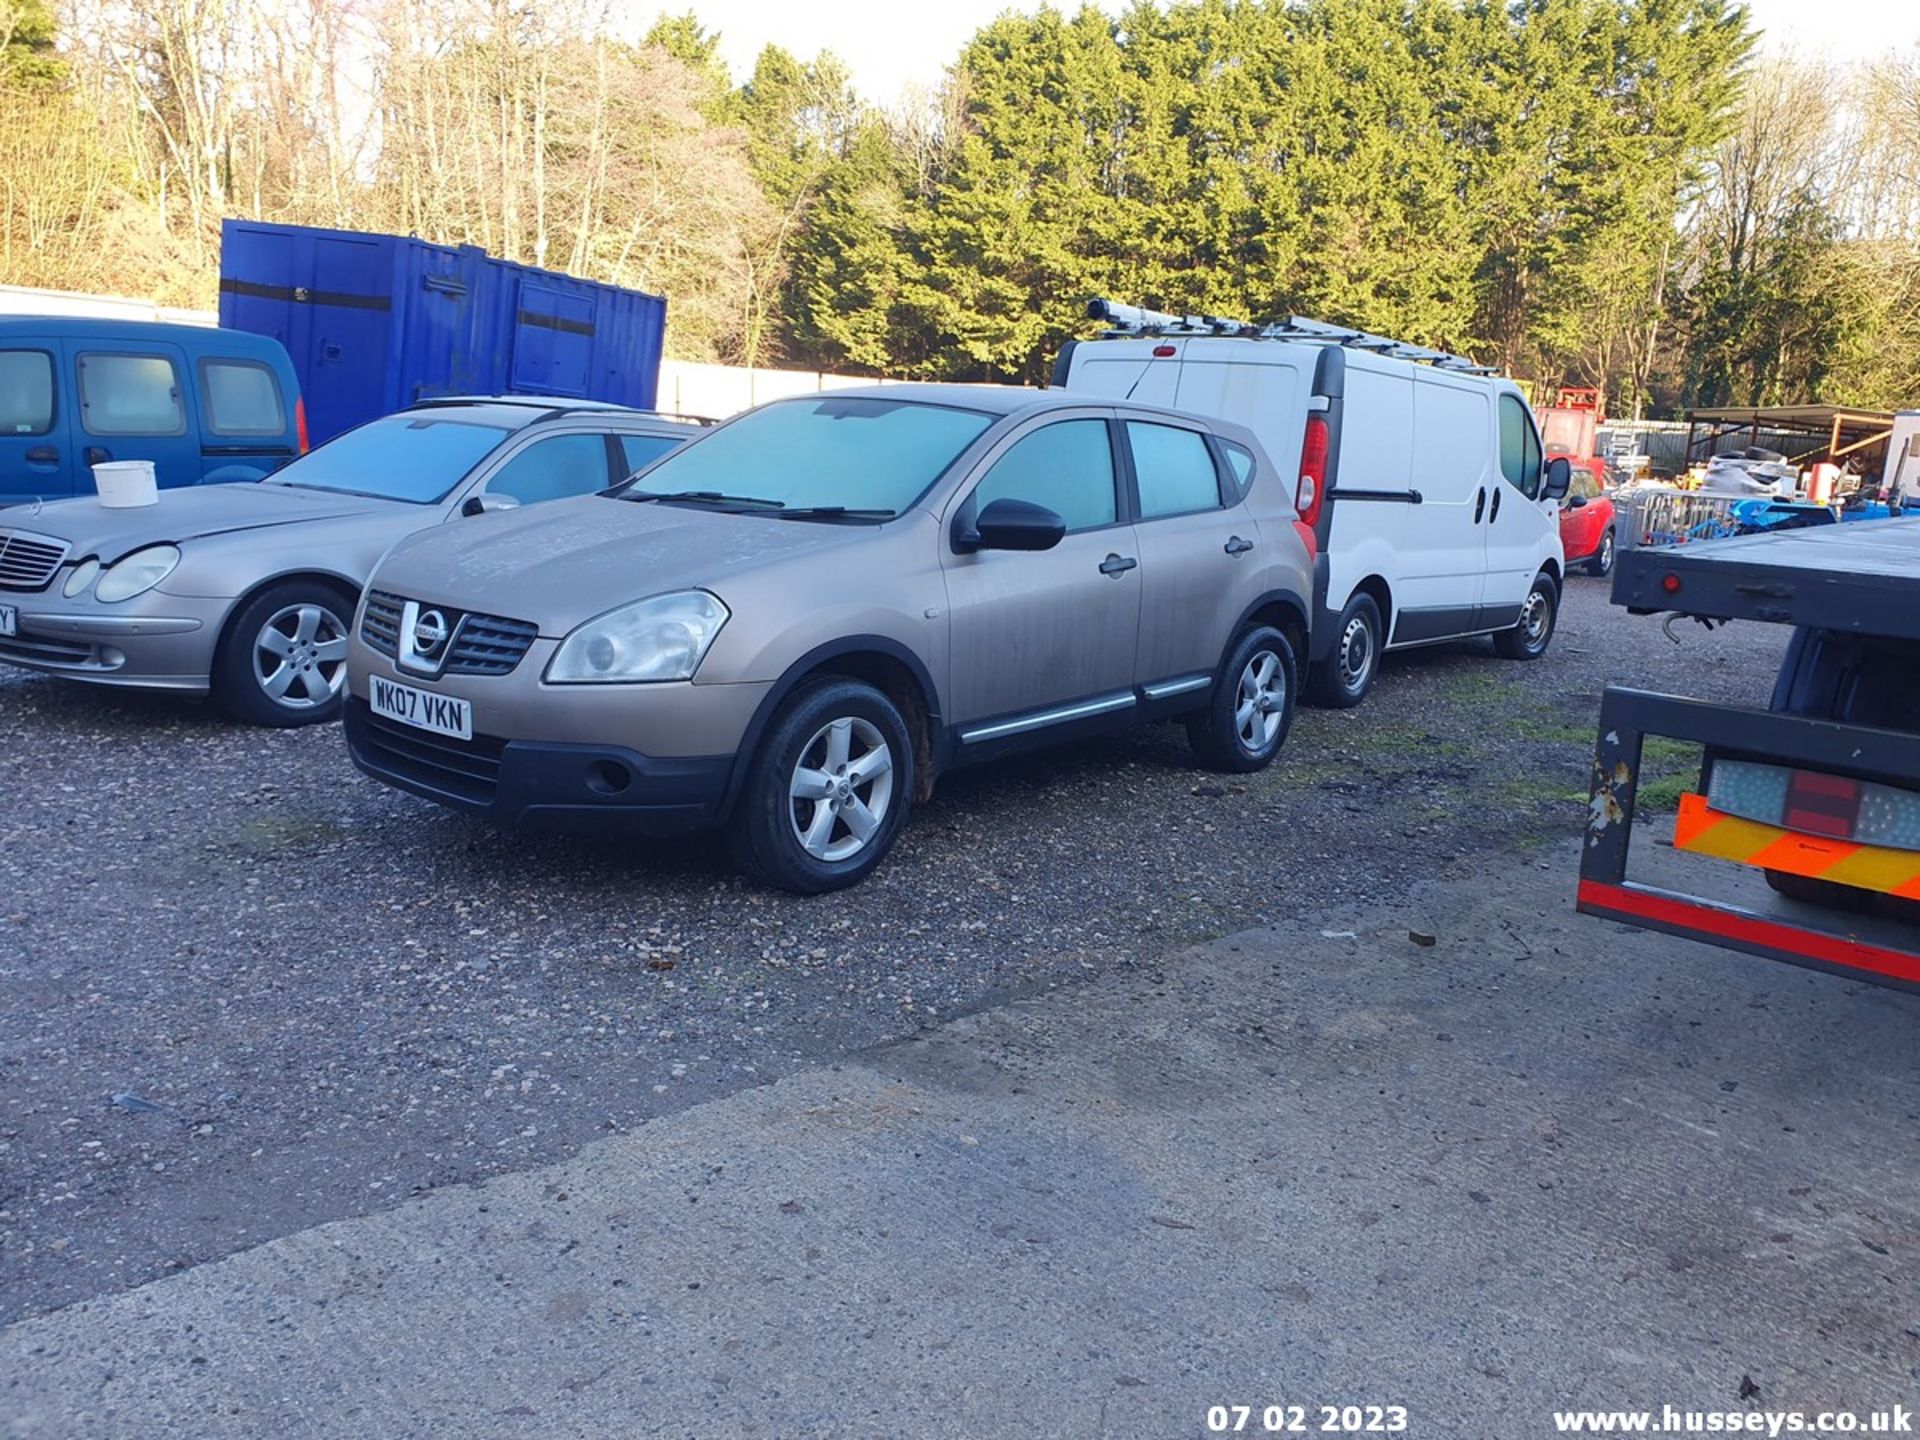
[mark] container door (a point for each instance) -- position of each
(135, 402)
(350, 319)
(552, 342)
(37, 458)
(327, 296)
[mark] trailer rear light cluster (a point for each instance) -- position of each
(1814, 803)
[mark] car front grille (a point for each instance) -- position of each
(28, 562)
(469, 769)
(482, 644)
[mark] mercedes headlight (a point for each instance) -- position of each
(83, 575)
(136, 574)
(664, 638)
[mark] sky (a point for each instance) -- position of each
(891, 45)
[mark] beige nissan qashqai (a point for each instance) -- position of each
(791, 626)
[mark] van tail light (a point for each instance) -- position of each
(1311, 497)
(300, 421)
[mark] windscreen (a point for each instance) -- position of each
(857, 453)
(416, 458)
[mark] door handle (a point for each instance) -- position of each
(1117, 564)
(1479, 503)
(1496, 508)
(97, 456)
(43, 455)
(1236, 546)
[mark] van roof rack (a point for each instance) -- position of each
(1134, 321)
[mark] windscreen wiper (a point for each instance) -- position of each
(835, 512)
(708, 497)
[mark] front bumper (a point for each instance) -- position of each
(543, 784)
(156, 642)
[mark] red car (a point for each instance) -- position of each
(1586, 524)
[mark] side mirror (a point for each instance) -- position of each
(1576, 502)
(1559, 478)
(485, 504)
(1015, 525)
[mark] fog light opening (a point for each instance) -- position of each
(608, 777)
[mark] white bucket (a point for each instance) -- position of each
(125, 484)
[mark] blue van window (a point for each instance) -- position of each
(243, 398)
(26, 392)
(130, 395)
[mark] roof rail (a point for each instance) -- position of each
(1132, 320)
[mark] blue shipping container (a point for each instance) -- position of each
(375, 323)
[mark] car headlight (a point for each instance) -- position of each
(82, 576)
(664, 638)
(137, 574)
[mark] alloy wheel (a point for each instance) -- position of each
(300, 656)
(841, 788)
(1260, 703)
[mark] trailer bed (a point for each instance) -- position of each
(1861, 578)
(1853, 590)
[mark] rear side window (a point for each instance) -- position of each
(553, 469)
(1066, 466)
(642, 450)
(1519, 447)
(1174, 470)
(1240, 462)
(243, 398)
(26, 392)
(130, 395)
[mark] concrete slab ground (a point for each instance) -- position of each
(1544, 1163)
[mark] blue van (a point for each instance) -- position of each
(204, 405)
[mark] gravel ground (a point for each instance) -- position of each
(249, 990)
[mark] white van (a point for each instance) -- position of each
(1431, 513)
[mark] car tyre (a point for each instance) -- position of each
(1601, 561)
(1251, 706)
(828, 791)
(1342, 680)
(1530, 638)
(282, 660)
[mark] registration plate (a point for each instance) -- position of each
(9, 620)
(442, 714)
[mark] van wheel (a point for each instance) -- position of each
(1529, 639)
(282, 660)
(828, 792)
(1341, 681)
(1602, 560)
(1251, 707)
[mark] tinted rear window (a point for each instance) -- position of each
(26, 392)
(243, 398)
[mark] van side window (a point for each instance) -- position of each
(1519, 447)
(1174, 470)
(130, 395)
(243, 398)
(1066, 466)
(1240, 462)
(26, 392)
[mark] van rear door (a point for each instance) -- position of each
(1265, 394)
(37, 460)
